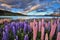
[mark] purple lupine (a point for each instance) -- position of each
(21, 24)
(4, 36)
(14, 31)
(26, 37)
(16, 37)
(25, 27)
(12, 24)
(17, 26)
(58, 26)
(6, 28)
(7, 31)
(29, 28)
(49, 24)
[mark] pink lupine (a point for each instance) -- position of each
(34, 29)
(42, 33)
(46, 36)
(57, 21)
(42, 22)
(42, 30)
(39, 26)
(58, 36)
(53, 28)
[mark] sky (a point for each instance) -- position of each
(30, 7)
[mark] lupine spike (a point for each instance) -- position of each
(42, 30)
(42, 22)
(16, 37)
(42, 33)
(17, 26)
(34, 30)
(46, 25)
(53, 28)
(58, 36)
(46, 36)
(58, 26)
(39, 26)
(49, 26)
(25, 28)
(26, 37)
(31, 25)
(21, 24)
(14, 32)
(4, 36)
(29, 28)
(7, 31)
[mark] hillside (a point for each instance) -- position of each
(8, 13)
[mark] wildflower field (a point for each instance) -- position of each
(36, 29)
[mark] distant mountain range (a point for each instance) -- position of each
(8, 13)
(57, 14)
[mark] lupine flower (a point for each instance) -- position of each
(6, 28)
(42, 22)
(29, 28)
(25, 28)
(58, 21)
(17, 26)
(12, 24)
(58, 36)
(34, 29)
(26, 37)
(31, 25)
(7, 31)
(42, 30)
(16, 37)
(4, 36)
(47, 26)
(21, 25)
(42, 33)
(53, 28)
(46, 36)
(14, 31)
(39, 25)
(58, 26)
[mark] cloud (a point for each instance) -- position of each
(6, 5)
(26, 5)
(32, 8)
